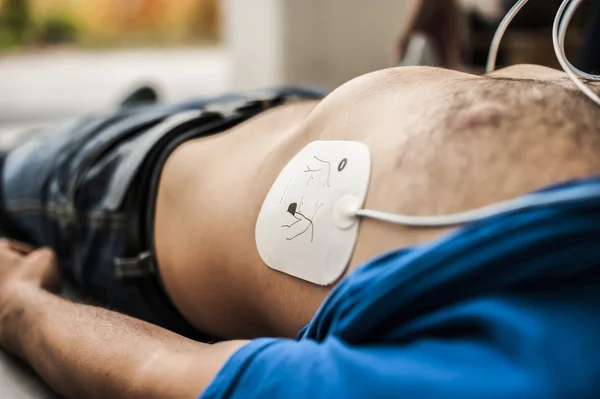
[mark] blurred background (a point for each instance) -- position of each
(64, 58)
(60, 59)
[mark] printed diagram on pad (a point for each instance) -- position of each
(298, 229)
(302, 224)
(319, 169)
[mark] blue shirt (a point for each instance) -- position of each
(508, 307)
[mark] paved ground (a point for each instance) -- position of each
(18, 382)
(41, 87)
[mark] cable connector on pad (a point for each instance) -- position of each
(345, 212)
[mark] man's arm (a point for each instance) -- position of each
(440, 20)
(84, 351)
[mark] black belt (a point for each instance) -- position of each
(8, 228)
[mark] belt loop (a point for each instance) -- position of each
(133, 268)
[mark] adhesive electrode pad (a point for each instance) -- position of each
(305, 227)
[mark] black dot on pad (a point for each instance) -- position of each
(292, 208)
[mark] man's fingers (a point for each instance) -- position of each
(44, 268)
(4, 244)
(41, 256)
(7, 253)
(18, 262)
(20, 247)
(15, 246)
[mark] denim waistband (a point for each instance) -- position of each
(87, 190)
(7, 226)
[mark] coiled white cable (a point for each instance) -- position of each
(559, 33)
(501, 31)
(562, 21)
(495, 46)
(563, 25)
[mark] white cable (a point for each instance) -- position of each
(559, 30)
(559, 33)
(495, 46)
(522, 203)
(563, 28)
(501, 31)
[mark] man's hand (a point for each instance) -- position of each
(88, 352)
(441, 21)
(21, 265)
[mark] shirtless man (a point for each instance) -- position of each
(441, 142)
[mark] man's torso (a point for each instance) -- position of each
(440, 142)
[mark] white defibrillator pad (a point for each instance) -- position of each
(303, 228)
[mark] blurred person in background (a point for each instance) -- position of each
(459, 32)
(442, 22)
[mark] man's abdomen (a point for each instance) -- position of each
(425, 161)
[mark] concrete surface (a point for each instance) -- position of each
(17, 381)
(313, 42)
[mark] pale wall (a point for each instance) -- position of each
(319, 42)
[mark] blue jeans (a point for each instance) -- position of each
(88, 191)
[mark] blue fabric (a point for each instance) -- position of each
(505, 308)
